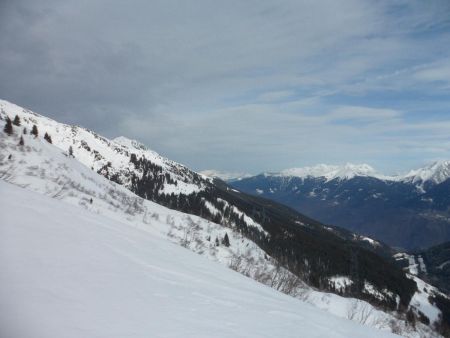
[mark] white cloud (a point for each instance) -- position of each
(235, 85)
(439, 71)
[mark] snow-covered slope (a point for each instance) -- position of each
(48, 170)
(155, 178)
(421, 300)
(98, 153)
(121, 160)
(44, 168)
(69, 273)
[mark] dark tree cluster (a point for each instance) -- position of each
(34, 131)
(226, 240)
(16, 121)
(48, 138)
(8, 129)
(85, 145)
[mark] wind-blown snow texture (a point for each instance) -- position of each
(69, 273)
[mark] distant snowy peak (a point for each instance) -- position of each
(331, 172)
(223, 175)
(436, 173)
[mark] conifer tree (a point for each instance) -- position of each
(133, 158)
(48, 138)
(16, 121)
(34, 131)
(21, 142)
(226, 240)
(25, 131)
(8, 127)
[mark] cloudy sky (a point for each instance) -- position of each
(240, 85)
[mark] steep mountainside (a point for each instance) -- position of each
(313, 252)
(409, 212)
(43, 168)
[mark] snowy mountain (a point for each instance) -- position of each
(331, 172)
(313, 252)
(408, 211)
(49, 170)
(99, 153)
(434, 173)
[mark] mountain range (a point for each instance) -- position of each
(121, 179)
(410, 211)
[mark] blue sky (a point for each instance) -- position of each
(244, 86)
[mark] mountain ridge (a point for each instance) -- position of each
(435, 172)
(405, 213)
(155, 178)
(286, 236)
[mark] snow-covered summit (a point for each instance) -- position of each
(97, 152)
(330, 172)
(436, 173)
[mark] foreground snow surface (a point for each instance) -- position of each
(67, 272)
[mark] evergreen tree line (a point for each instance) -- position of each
(9, 129)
